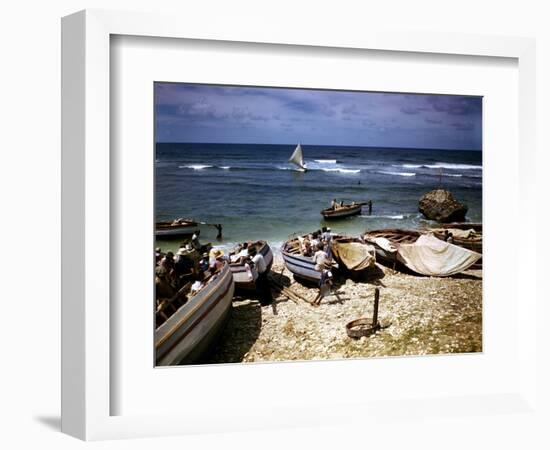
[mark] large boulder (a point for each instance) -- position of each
(440, 205)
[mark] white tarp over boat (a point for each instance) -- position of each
(383, 243)
(297, 157)
(354, 255)
(431, 256)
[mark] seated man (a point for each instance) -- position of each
(204, 263)
(305, 247)
(218, 261)
(184, 264)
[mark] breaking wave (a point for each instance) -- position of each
(453, 166)
(401, 174)
(196, 166)
(373, 216)
(342, 170)
(326, 161)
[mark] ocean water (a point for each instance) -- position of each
(256, 194)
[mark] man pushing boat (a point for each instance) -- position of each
(262, 283)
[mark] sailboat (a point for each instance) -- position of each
(297, 158)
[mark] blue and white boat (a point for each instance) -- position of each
(301, 266)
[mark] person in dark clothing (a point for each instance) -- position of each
(262, 282)
(219, 228)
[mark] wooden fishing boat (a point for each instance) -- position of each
(353, 253)
(301, 266)
(385, 242)
(187, 327)
(245, 279)
(342, 211)
(421, 253)
(465, 235)
(181, 227)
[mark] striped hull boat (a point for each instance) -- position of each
(241, 276)
(193, 328)
(300, 266)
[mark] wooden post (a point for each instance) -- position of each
(375, 314)
(370, 207)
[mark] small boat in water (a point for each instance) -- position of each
(297, 158)
(178, 227)
(342, 211)
(421, 253)
(352, 253)
(188, 325)
(245, 278)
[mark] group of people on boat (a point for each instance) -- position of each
(335, 205)
(193, 262)
(182, 221)
(316, 245)
(309, 243)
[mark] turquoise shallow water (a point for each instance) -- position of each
(253, 191)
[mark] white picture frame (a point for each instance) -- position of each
(86, 246)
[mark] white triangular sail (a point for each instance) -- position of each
(298, 157)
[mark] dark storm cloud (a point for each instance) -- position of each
(433, 121)
(412, 110)
(207, 113)
(455, 105)
(463, 126)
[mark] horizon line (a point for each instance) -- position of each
(325, 145)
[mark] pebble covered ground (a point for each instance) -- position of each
(419, 316)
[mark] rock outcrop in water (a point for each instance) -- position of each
(440, 205)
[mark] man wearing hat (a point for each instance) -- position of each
(262, 283)
(184, 264)
(218, 259)
(204, 263)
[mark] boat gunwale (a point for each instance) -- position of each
(199, 301)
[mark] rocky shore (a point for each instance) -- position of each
(420, 316)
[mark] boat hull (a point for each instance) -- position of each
(475, 244)
(341, 212)
(356, 258)
(301, 266)
(192, 330)
(241, 276)
(395, 236)
(164, 229)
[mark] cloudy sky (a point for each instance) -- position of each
(232, 114)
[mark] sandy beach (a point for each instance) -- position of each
(421, 316)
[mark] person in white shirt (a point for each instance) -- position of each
(322, 264)
(262, 282)
(320, 258)
(195, 243)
